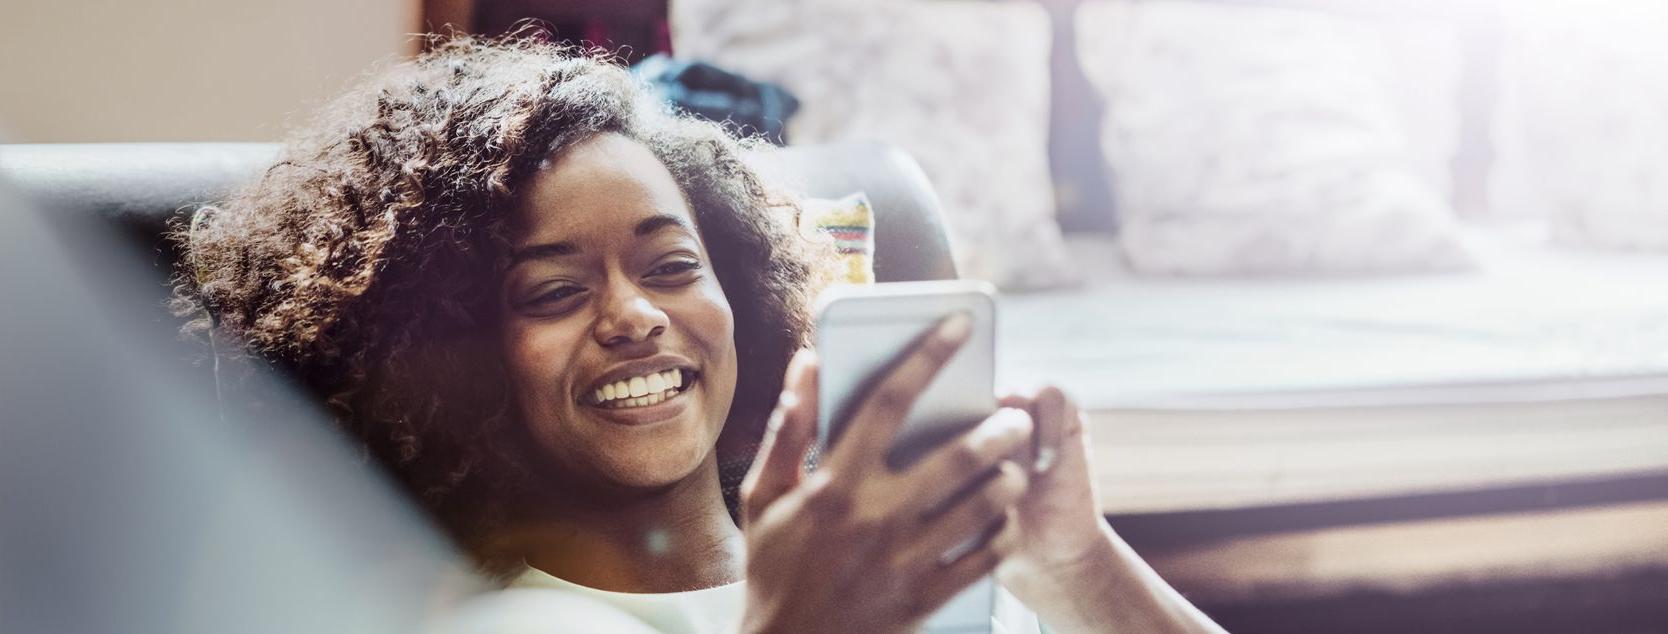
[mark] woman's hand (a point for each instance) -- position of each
(1059, 518)
(1071, 568)
(856, 546)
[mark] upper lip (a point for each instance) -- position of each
(639, 367)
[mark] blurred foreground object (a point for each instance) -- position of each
(132, 507)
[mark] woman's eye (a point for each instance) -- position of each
(674, 268)
(554, 295)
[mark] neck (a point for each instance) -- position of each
(669, 539)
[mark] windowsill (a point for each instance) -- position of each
(1169, 461)
(1238, 507)
(1408, 558)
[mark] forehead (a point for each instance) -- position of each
(601, 186)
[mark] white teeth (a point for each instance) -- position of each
(641, 390)
(641, 401)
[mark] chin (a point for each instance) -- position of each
(656, 469)
(645, 456)
(658, 454)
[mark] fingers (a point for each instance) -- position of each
(789, 434)
(869, 433)
(938, 589)
(1056, 421)
(1052, 428)
(940, 536)
(950, 468)
(1017, 401)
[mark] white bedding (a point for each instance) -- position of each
(1535, 322)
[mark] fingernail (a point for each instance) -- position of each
(1045, 460)
(788, 400)
(956, 327)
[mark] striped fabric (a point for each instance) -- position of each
(849, 223)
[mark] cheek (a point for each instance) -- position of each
(712, 324)
(717, 323)
(537, 360)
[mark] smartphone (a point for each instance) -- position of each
(863, 331)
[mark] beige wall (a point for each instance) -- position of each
(185, 70)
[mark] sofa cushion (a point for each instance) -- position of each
(923, 75)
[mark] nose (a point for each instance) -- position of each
(628, 316)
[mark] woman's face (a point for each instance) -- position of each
(619, 342)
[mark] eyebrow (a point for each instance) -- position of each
(661, 221)
(557, 249)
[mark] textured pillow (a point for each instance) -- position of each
(1253, 140)
(850, 224)
(960, 85)
(1583, 136)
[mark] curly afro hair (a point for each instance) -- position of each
(366, 260)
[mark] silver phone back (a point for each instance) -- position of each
(861, 331)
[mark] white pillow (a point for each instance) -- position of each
(1257, 140)
(1583, 136)
(960, 85)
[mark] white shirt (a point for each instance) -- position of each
(718, 610)
(715, 610)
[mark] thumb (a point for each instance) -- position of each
(788, 435)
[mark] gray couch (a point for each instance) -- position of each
(138, 187)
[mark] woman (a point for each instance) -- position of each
(553, 310)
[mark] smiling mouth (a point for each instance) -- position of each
(643, 391)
